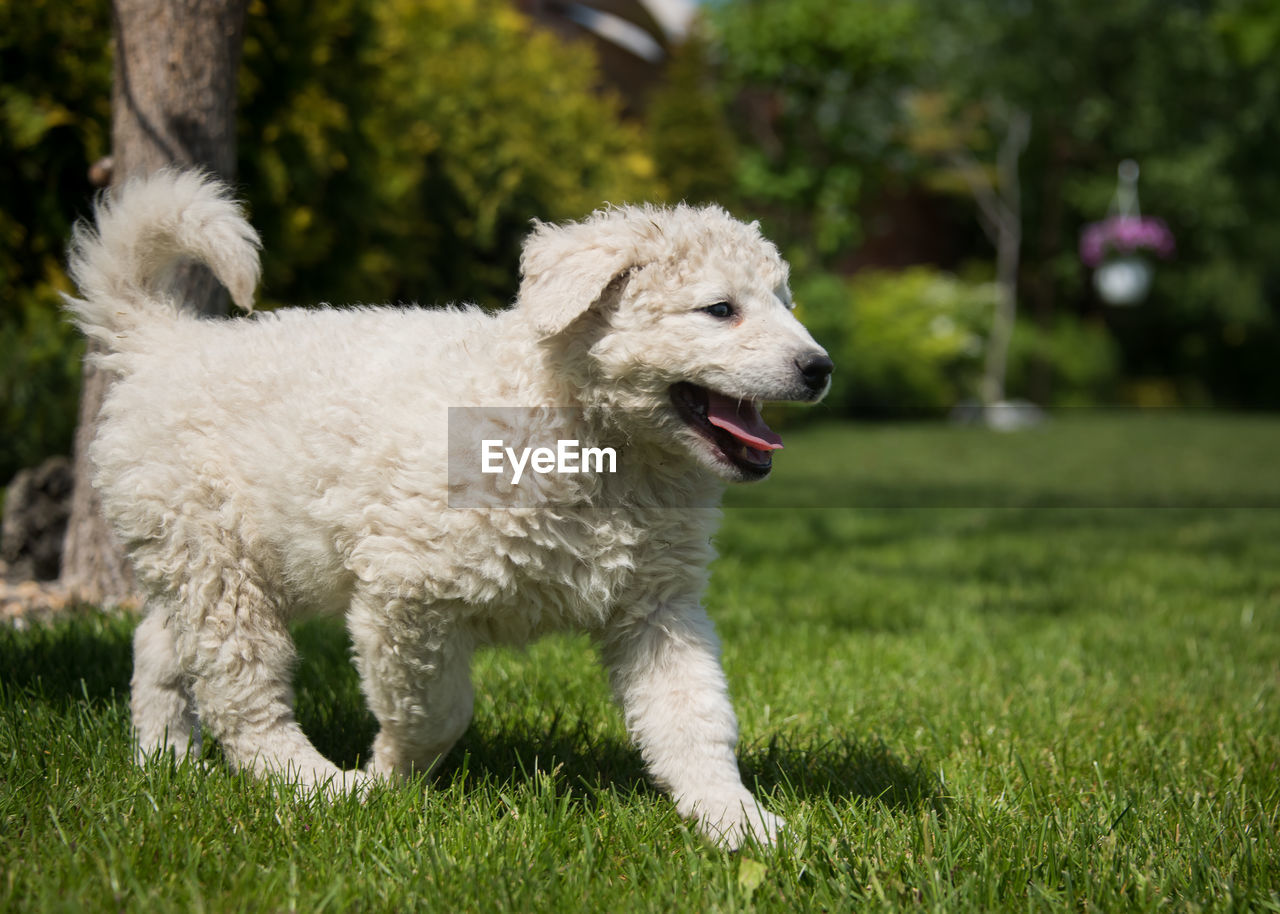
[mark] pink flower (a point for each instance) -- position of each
(1125, 235)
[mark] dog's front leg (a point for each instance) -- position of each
(666, 674)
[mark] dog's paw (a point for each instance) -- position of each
(331, 785)
(732, 822)
(356, 783)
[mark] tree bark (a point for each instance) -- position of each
(1008, 254)
(1000, 215)
(172, 104)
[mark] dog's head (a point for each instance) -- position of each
(679, 319)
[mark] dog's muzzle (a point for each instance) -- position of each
(815, 371)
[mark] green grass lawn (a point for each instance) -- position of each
(1022, 672)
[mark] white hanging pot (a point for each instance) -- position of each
(1123, 280)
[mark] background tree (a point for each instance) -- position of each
(1179, 89)
(692, 143)
(396, 150)
(389, 151)
(55, 84)
(946, 136)
(172, 103)
(814, 88)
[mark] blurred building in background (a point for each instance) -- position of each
(632, 38)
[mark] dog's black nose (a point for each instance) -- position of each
(815, 369)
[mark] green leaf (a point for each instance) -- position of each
(751, 874)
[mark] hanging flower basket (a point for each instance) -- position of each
(1123, 280)
(1119, 249)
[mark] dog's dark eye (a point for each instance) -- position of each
(721, 309)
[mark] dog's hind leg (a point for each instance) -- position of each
(242, 659)
(163, 709)
(415, 668)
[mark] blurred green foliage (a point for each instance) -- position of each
(911, 343)
(689, 133)
(1082, 357)
(393, 150)
(815, 85)
(904, 343)
(397, 150)
(828, 97)
(1190, 92)
(55, 96)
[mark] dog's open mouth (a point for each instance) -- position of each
(734, 428)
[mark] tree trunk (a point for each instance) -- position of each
(1049, 241)
(1008, 252)
(1008, 241)
(172, 104)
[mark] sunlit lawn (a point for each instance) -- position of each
(1031, 671)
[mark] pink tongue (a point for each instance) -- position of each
(742, 420)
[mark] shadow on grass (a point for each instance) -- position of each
(584, 763)
(843, 770)
(87, 655)
(587, 766)
(90, 657)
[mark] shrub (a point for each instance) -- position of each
(816, 87)
(389, 150)
(1082, 361)
(689, 136)
(397, 150)
(54, 116)
(903, 343)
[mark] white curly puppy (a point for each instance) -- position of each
(297, 462)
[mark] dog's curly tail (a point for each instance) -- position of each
(123, 265)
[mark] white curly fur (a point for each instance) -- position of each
(260, 469)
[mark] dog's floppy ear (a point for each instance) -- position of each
(566, 269)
